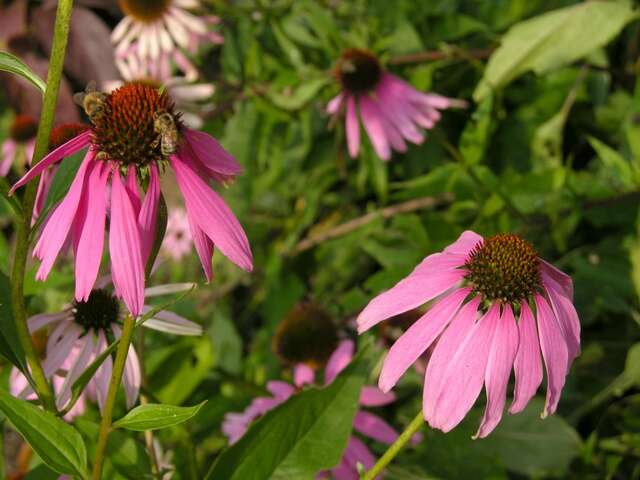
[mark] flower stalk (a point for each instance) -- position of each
(23, 227)
(116, 376)
(395, 448)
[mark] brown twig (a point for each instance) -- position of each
(385, 213)
(451, 52)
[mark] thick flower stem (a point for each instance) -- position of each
(395, 448)
(107, 412)
(23, 227)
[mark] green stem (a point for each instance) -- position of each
(114, 384)
(23, 227)
(394, 449)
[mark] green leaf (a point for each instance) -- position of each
(476, 134)
(549, 41)
(12, 64)
(10, 346)
(619, 169)
(58, 444)
(303, 436)
(155, 415)
(298, 97)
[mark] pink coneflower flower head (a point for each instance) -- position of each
(365, 423)
(83, 330)
(391, 110)
(19, 146)
(496, 306)
(177, 239)
(155, 34)
(137, 135)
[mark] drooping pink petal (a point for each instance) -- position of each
(91, 226)
(333, 107)
(8, 155)
(56, 356)
(203, 246)
(554, 353)
(374, 427)
(43, 191)
(357, 452)
(352, 127)
(464, 376)
(374, 397)
(43, 319)
(72, 146)
(303, 375)
(374, 126)
(528, 363)
(565, 314)
(103, 374)
(338, 360)
(169, 322)
(211, 154)
(281, 390)
(433, 276)
(131, 186)
(559, 277)
(131, 377)
(496, 377)
(80, 363)
(212, 215)
(56, 230)
(386, 118)
(125, 249)
(415, 341)
(148, 217)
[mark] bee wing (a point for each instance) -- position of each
(91, 86)
(78, 98)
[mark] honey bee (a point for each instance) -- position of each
(92, 100)
(165, 126)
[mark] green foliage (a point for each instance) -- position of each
(152, 416)
(12, 64)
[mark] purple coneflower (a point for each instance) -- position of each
(391, 110)
(127, 151)
(497, 306)
(368, 424)
(83, 330)
(20, 144)
(160, 32)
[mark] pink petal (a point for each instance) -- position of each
(374, 397)
(212, 215)
(72, 146)
(433, 276)
(339, 359)
(8, 156)
(103, 374)
(353, 128)
(374, 427)
(496, 377)
(334, 104)
(91, 226)
(46, 179)
(374, 125)
(559, 277)
(303, 375)
(455, 372)
(554, 353)
(131, 378)
(386, 117)
(131, 186)
(566, 315)
(415, 341)
(80, 363)
(148, 218)
(57, 355)
(465, 243)
(281, 390)
(57, 228)
(43, 319)
(203, 246)
(357, 452)
(528, 363)
(211, 154)
(124, 246)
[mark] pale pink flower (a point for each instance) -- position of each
(391, 110)
(368, 424)
(159, 35)
(20, 144)
(126, 152)
(497, 306)
(81, 332)
(177, 240)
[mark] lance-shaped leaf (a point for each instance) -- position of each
(153, 416)
(58, 444)
(12, 64)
